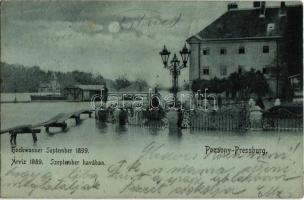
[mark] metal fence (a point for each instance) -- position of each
(236, 118)
(282, 124)
(221, 121)
(228, 118)
(138, 118)
(242, 122)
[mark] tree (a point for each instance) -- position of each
(122, 82)
(241, 84)
(258, 84)
(214, 85)
(99, 80)
(28, 79)
(287, 90)
(141, 84)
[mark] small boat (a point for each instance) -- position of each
(48, 97)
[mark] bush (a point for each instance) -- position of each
(214, 85)
(246, 83)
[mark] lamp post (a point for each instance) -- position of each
(175, 66)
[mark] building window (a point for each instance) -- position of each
(223, 70)
(241, 50)
(206, 71)
(265, 49)
(240, 69)
(270, 27)
(206, 51)
(223, 51)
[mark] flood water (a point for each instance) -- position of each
(154, 151)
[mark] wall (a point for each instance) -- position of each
(253, 57)
(194, 65)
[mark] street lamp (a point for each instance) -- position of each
(175, 66)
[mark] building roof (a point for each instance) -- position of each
(87, 87)
(246, 23)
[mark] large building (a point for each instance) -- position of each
(243, 39)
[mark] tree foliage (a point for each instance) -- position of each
(141, 84)
(241, 84)
(27, 79)
(122, 82)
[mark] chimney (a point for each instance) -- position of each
(256, 4)
(262, 9)
(232, 6)
(282, 12)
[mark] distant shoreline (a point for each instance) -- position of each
(15, 102)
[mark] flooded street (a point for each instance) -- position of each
(151, 99)
(133, 159)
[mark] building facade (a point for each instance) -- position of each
(211, 59)
(241, 40)
(82, 92)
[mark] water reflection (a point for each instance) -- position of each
(55, 130)
(121, 129)
(154, 131)
(175, 133)
(101, 126)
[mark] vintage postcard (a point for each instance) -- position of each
(151, 99)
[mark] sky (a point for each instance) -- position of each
(107, 38)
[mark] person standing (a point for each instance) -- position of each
(105, 94)
(180, 118)
(123, 117)
(219, 102)
(13, 137)
(34, 135)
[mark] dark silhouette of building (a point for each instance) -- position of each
(267, 39)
